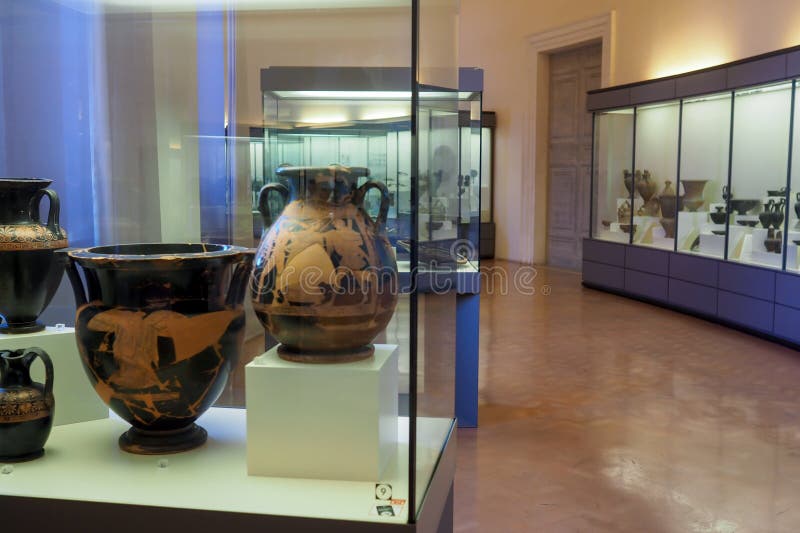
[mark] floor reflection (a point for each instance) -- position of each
(599, 413)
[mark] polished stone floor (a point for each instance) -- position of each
(599, 413)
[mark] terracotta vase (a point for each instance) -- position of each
(159, 327)
(26, 408)
(797, 206)
(30, 272)
(325, 277)
(646, 187)
(631, 180)
(624, 213)
(693, 194)
(669, 202)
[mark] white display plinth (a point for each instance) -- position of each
(322, 421)
(76, 400)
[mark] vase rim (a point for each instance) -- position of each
(302, 171)
(161, 252)
(25, 181)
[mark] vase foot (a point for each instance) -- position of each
(349, 356)
(25, 327)
(22, 458)
(143, 442)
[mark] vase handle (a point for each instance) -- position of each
(263, 202)
(240, 277)
(75, 280)
(386, 200)
(55, 209)
(30, 355)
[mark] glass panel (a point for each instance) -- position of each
(613, 157)
(655, 177)
(152, 121)
(469, 175)
(487, 174)
(793, 226)
(705, 152)
(443, 236)
(758, 183)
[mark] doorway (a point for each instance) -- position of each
(573, 72)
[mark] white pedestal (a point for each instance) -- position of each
(322, 421)
(76, 400)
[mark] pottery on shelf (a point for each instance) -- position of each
(669, 202)
(693, 194)
(30, 271)
(747, 223)
(742, 207)
(669, 227)
(777, 193)
(627, 228)
(797, 206)
(630, 180)
(624, 213)
(646, 187)
(26, 407)
(773, 245)
(158, 328)
(719, 216)
(325, 278)
(718, 231)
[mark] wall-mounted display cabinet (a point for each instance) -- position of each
(703, 165)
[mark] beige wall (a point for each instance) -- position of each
(652, 38)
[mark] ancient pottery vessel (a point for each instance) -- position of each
(624, 213)
(693, 194)
(773, 245)
(797, 206)
(720, 216)
(325, 277)
(26, 408)
(645, 186)
(669, 227)
(669, 202)
(159, 327)
(628, 180)
(742, 207)
(30, 272)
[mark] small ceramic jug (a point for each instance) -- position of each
(26, 407)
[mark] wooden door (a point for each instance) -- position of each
(572, 73)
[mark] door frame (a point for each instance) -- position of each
(535, 148)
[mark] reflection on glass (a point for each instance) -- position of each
(656, 202)
(793, 211)
(758, 174)
(613, 192)
(705, 150)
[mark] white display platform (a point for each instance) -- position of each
(322, 421)
(84, 463)
(76, 400)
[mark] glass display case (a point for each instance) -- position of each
(214, 205)
(709, 175)
(696, 196)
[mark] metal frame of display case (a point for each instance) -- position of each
(752, 298)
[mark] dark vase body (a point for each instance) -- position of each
(325, 276)
(26, 408)
(29, 270)
(159, 327)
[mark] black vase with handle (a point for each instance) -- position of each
(30, 271)
(26, 408)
